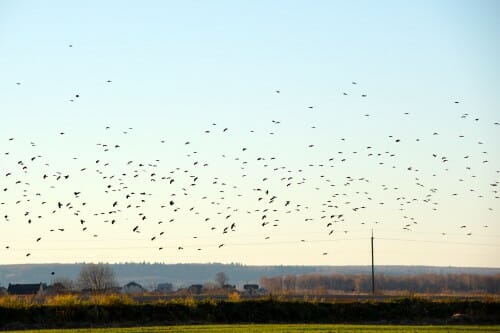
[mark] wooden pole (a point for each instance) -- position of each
(373, 270)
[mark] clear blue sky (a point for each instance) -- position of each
(177, 67)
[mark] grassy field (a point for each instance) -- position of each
(280, 329)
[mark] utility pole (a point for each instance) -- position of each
(373, 270)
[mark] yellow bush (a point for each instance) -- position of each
(63, 300)
(187, 301)
(12, 301)
(113, 299)
(234, 296)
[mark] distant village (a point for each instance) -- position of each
(131, 288)
(100, 278)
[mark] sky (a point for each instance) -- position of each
(253, 132)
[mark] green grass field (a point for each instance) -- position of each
(280, 329)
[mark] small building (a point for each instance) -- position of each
(27, 289)
(195, 289)
(133, 288)
(229, 287)
(109, 291)
(3, 291)
(164, 288)
(250, 288)
(56, 288)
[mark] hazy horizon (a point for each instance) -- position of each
(185, 274)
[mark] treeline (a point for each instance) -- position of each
(425, 283)
(124, 313)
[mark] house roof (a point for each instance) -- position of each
(133, 284)
(25, 289)
(251, 286)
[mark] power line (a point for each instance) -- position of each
(439, 242)
(250, 244)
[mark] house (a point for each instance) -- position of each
(229, 287)
(56, 288)
(27, 289)
(110, 290)
(251, 288)
(195, 288)
(3, 291)
(133, 288)
(164, 288)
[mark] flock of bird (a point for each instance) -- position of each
(241, 190)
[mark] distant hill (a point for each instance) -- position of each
(185, 274)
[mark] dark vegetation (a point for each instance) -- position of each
(120, 311)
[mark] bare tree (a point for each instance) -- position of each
(97, 277)
(221, 279)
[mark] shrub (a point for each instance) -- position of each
(113, 299)
(15, 302)
(234, 296)
(63, 300)
(189, 301)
